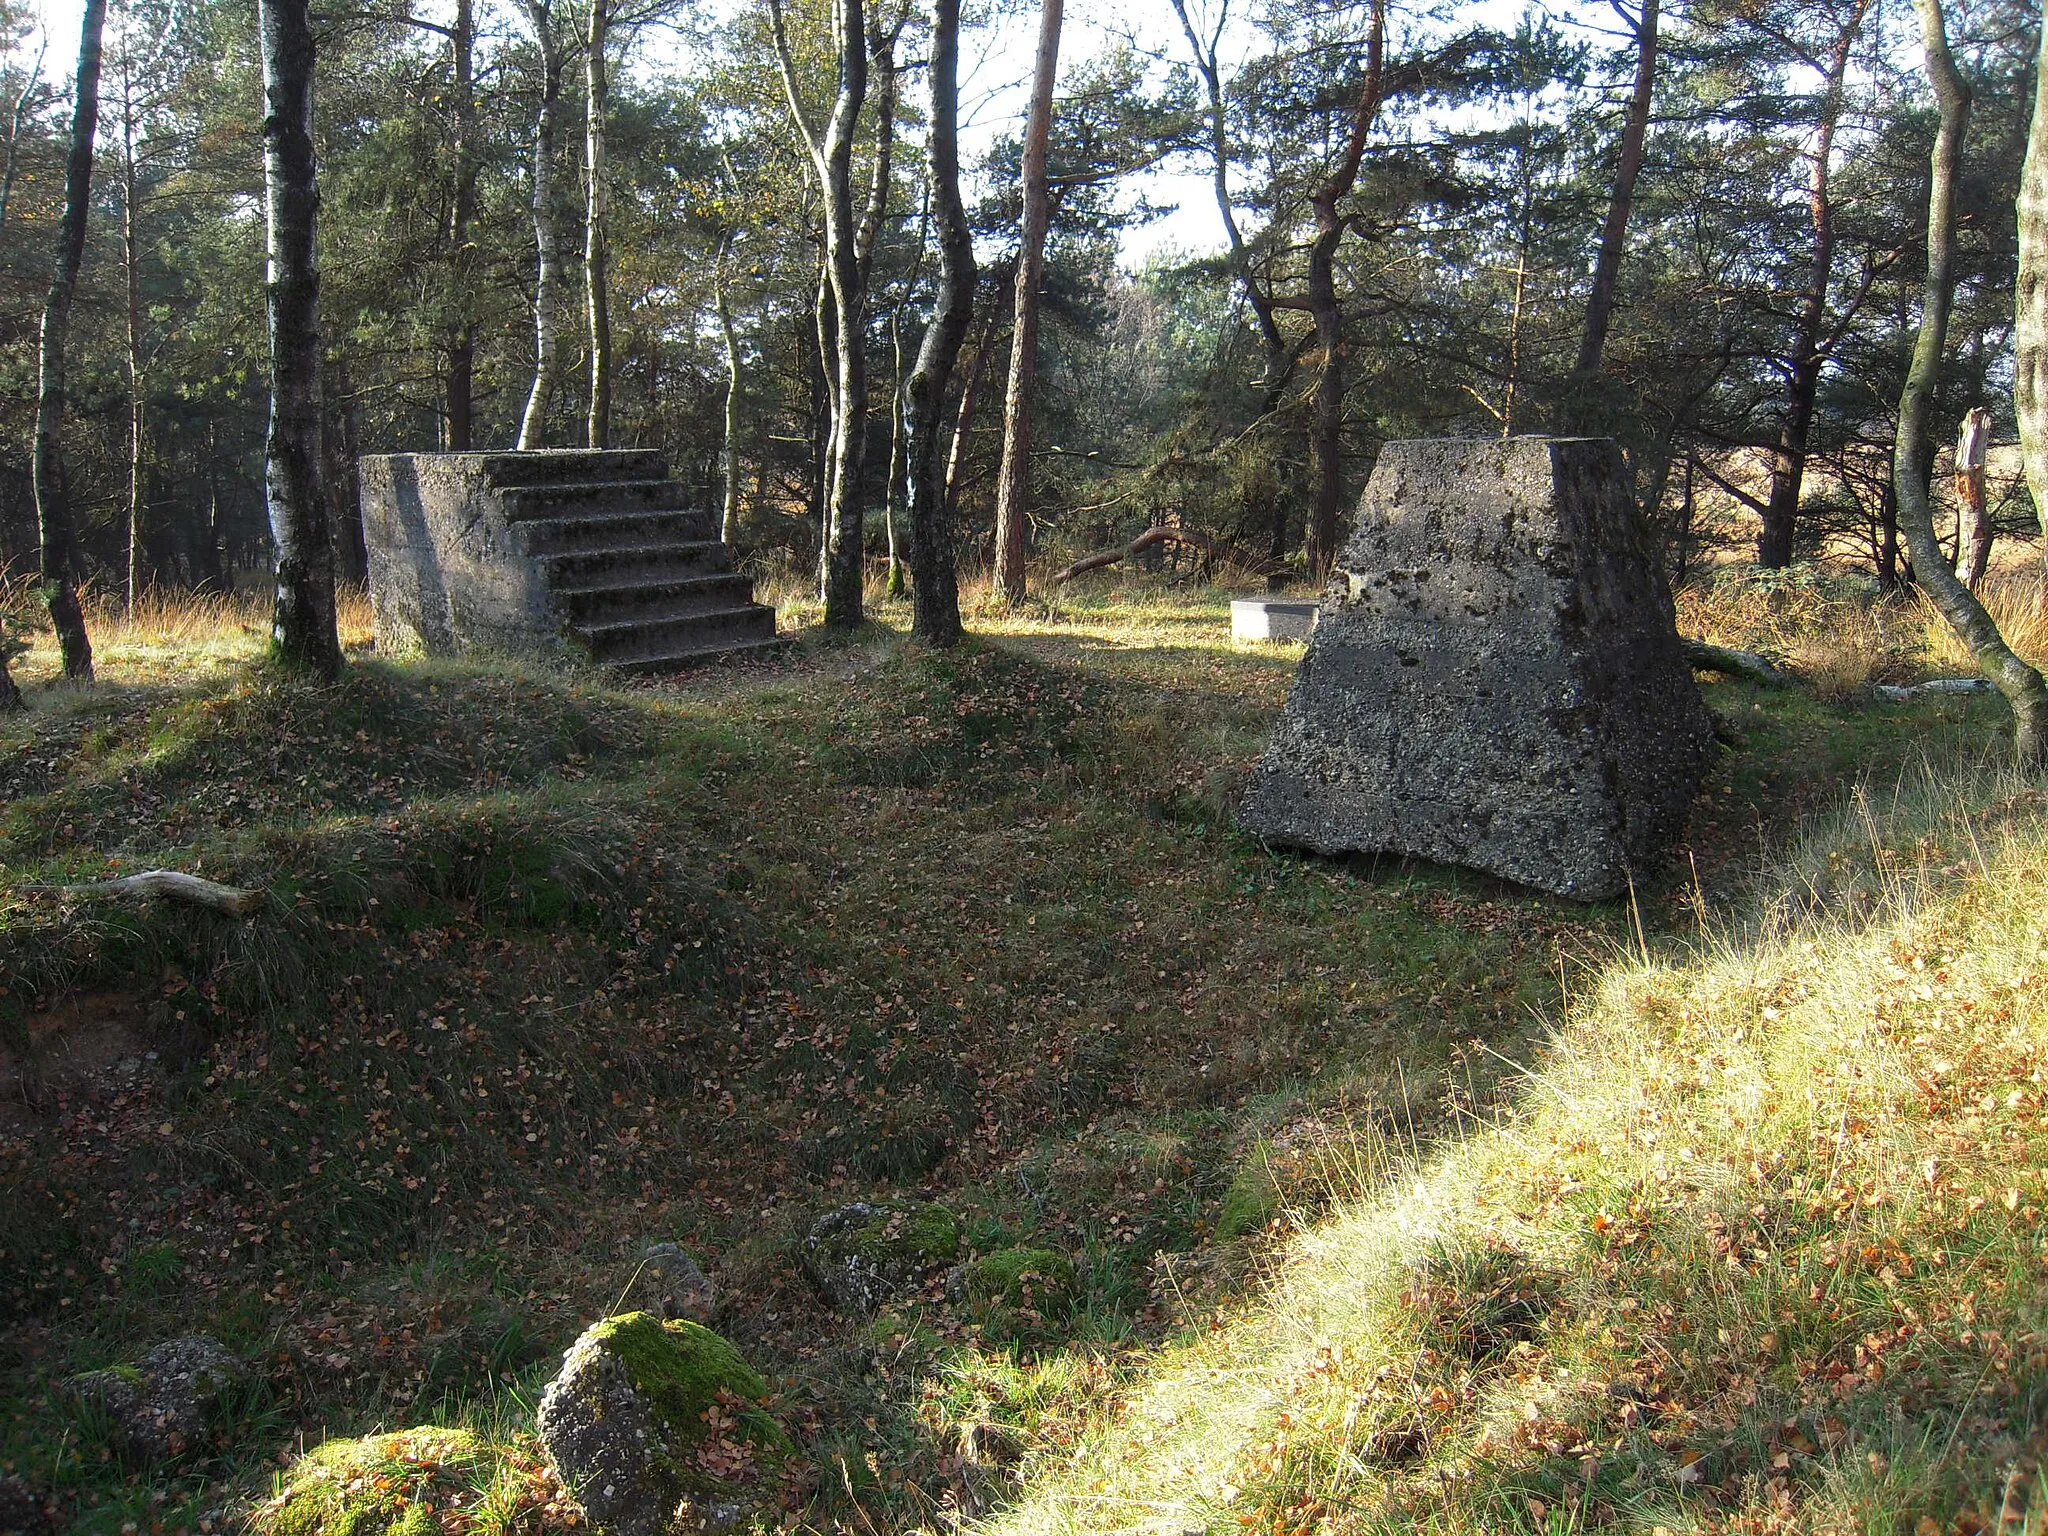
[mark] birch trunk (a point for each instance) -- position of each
(2030, 302)
(459, 409)
(596, 295)
(844, 524)
(1913, 454)
(547, 237)
(302, 632)
(1973, 519)
(729, 450)
(130, 256)
(58, 561)
(1013, 483)
(934, 585)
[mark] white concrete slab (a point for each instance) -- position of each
(1272, 618)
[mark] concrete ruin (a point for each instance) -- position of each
(1496, 680)
(564, 551)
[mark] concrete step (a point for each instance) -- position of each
(627, 640)
(617, 602)
(628, 564)
(551, 466)
(585, 532)
(570, 498)
(682, 660)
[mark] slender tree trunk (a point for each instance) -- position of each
(460, 408)
(14, 127)
(898, 582)
(1326, 426)
(1912, 459)
(342, 444)
(547, 236)
(596, 296)
(1635, 129)
(59, 555)
(845, 525)
(302, 633)
(729, 449)
(2030, 301)
(130, 257)
(1973, 519)
(1013, 483)
(934, 586)
(1788, 459)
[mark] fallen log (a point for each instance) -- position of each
(1733, 663)
(1899, 693)
(232, 900)
(1152, 537)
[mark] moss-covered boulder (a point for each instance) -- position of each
(167, 1403)
(1017, 1293)
(381, 1485)
(655, 1426)
(864, 1254)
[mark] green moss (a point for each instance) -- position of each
(1021, 1280)
(681, 1368)
(380, 1485)
(1253, 1199)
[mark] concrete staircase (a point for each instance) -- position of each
(636, 577)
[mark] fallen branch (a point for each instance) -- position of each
(1155, 536)
(1734, 663)
(232, 900)
(1899, 693)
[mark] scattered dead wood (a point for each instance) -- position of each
(1213, 552)
(1733, 663)
(232, 900)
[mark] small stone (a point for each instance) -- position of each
(675, 1286)
(655, 1426)
(868, 1253)
(166, 1403)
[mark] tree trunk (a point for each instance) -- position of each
(460, 407)
(130, 257)
(1912, 459)
(596, 297)
(547, 237)
(1326, 425)
(2030, 301)
(844, 524)
(1888, 541)
(59, 555)
(14, 127)
(1788, 459)
(1614, 234)
(934, 586)
(1013, 483)
(302, 632)
(898, 581)
(729, 448)
(1973, 520)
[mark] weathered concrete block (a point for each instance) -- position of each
(447, 571)
(1496, 680)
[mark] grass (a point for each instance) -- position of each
(555, 968)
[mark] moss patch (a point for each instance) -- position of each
(381, 1485)
(682, 1369)
(1018, 1292)
(1253, 1199)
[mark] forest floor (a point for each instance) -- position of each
(553, 969)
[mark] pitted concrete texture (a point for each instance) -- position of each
(1496, 681)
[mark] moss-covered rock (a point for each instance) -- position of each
(381, 1485)
(864, 1254)
(1017, 1293)
(656, 1424)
